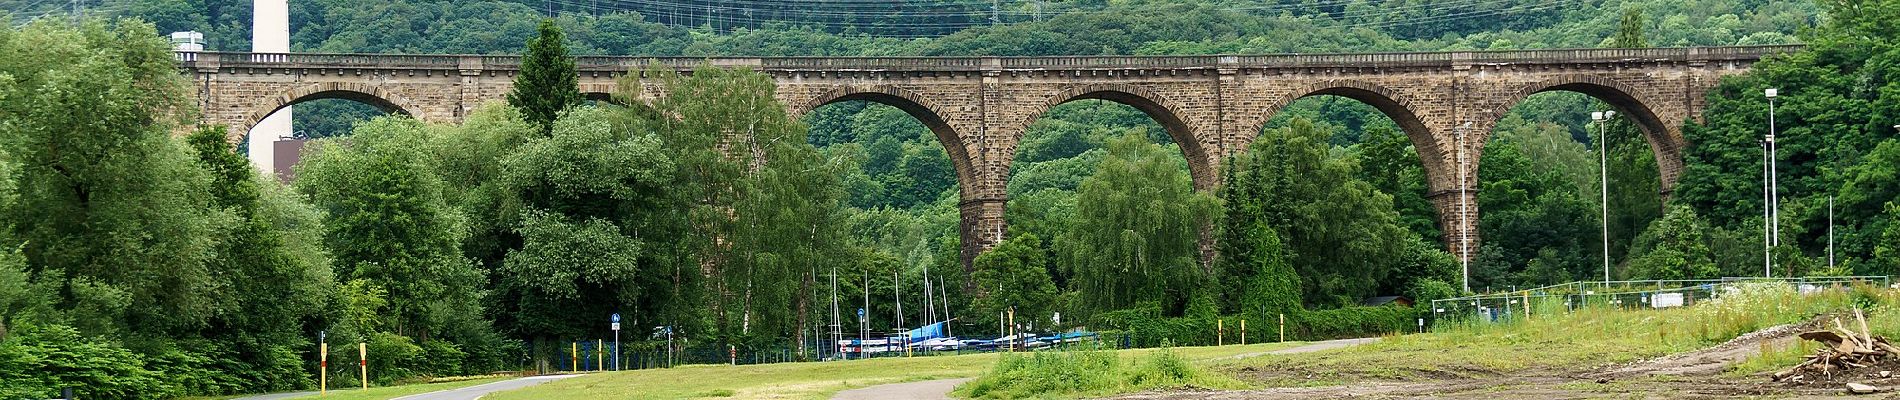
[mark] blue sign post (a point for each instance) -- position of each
(616, 325)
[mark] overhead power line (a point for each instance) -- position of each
(944, 15)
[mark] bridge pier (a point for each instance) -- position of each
(1458, 221)
(983, 228)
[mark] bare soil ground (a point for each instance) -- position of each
(1691, 375)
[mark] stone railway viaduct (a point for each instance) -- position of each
(979, 107)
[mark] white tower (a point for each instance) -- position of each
(270, 33)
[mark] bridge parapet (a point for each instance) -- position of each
(1734, 53)
(1266, 61)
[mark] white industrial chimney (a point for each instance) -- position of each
(188, 41)
(270, 33)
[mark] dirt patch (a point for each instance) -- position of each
(1711, 360)
(1691, 375)
(1506, 387)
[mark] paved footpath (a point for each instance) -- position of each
(477, 391)
(467, 393)
(940, 389)
(277, 396)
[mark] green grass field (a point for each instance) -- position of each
(809, 380)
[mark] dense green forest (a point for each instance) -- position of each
(143, 265)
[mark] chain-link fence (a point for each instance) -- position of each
(1620, 294)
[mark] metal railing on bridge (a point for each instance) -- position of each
(1359, 60)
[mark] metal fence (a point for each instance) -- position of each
(1621, 294)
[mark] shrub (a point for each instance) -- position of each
(1162, 369)
(1143, 326)
(1042, 373)
(394, 358)
(37, 361)
(1352, 322)
(1086, 373)
(1423, 291)
(441, 358)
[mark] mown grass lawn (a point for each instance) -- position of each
(807, 380)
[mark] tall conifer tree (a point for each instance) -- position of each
(547, 83)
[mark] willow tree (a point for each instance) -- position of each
(1340, 233)
(759, 208)
(1136, 234)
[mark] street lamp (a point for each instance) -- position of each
(1774, 169)
(1603, 136)
(1464, 210)
(1767, 255)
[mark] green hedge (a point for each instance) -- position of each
(37, 361)
(1145, 327)
(1352, 322)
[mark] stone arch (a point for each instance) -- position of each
(359, 92)
(1163, 110)
(917, 107)
(1665, 141)
(600, 92)
(603, 97)
(1390, 102)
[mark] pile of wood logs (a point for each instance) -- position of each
(1844, 350)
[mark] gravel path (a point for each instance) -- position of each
(940, 389)
(467, 393)
(1315, 346)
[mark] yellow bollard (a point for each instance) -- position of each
(1243, 332)
(1220, 332)
(1282, 327)
(600, 353)
(1012, 328)
(574, 356)
(323, 369)
(362, 362)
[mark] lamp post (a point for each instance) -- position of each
(1603, 155)
(1767, 238)
(1773, 171)
(1464, 210)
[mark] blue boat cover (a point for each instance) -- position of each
(927, 332)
